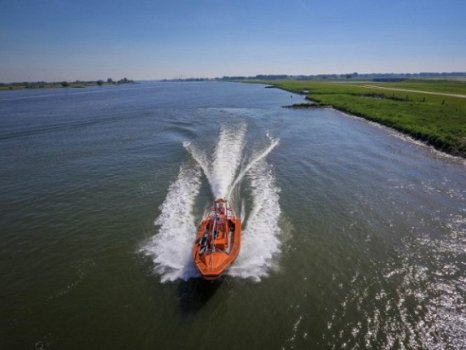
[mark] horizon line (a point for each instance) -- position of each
(451, 73)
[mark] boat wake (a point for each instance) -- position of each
(260, 238)
(170, 248)
(221, 170)
(231, 164)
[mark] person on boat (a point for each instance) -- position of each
(203, 244)
(221, 208)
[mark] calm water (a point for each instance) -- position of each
(353, 236)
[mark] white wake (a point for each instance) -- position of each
(260, 238)
(171, 247)
(256, 158)
(221, 169)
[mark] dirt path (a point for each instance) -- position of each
(410, 90)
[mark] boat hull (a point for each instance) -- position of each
(217, 243)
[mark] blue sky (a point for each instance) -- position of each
(78, 39)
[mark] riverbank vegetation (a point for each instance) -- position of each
(62, 84)
(436, 119)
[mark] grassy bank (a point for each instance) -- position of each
(435, 119)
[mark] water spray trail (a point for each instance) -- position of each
(200, 158)
(220, 170)
(227, 159)
(251, 164)
(171, 247)
(260, 242)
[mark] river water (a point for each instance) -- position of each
(353, 235)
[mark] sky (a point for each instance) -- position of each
(55, 40)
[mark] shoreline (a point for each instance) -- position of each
(61, 85)
(404, 137)
(451, 149)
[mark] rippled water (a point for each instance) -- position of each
(354, 236)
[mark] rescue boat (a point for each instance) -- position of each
(217, 241)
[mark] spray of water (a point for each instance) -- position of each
(260, 238)
(171, 247)
(261, 155)
(220, 170)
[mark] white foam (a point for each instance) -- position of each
(260, 239)
(171, 247)
(227, 159)
(256, 158)
(221, 170)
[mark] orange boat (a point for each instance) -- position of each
(217, 241)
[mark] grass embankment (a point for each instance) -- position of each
(435, 119)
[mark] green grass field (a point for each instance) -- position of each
(438, 120)
(442, 86)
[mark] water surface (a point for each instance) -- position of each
(354, 236)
